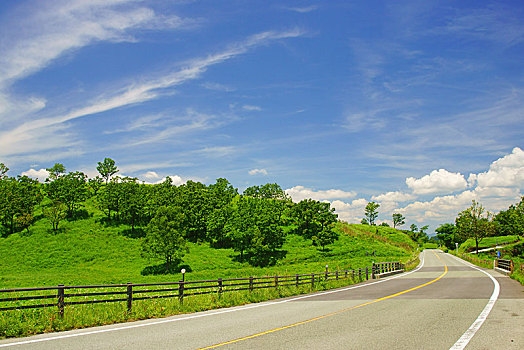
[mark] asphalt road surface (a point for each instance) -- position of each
(445, 303)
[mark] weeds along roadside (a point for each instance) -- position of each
(20, 323)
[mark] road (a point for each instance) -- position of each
(445, 303)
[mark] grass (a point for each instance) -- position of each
(86, 251)
(514, 252)
(19, 323)
(486, 242)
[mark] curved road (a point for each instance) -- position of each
(445, 303)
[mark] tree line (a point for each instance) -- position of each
(166, 216)
(477, 223)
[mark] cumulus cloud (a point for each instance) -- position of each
(40, 175)
(507, 171)
(299, 193)
(350, 212)
(396, 196)
(151, 175)
(438, 181)
(257, 172)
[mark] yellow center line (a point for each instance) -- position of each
(331, 313)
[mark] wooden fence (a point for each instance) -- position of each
(62, 295)
(503, 265)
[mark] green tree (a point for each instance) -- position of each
(398, 220)
(371, 212)
(55, 212)
(107, 168)
(325, 237)
(474, 222)
(18, 197)
(510, 221)
(56, 170)
(364, 221)
(70, 189)
(3, 170)
(164, 238)
(447, 236)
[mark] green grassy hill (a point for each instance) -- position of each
(86, 251)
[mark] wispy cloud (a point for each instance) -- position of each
(218, 87)
(251, 108)
(493, 23)
(303, 9)
(54, 28)
(148, 89)
(254, 172)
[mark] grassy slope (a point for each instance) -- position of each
(486, 242)
(87, 252)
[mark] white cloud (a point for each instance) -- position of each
(40, 175)
(149, 89)
(217, 87)
(151, 175)
(54, 28)
(251, 108)
(257, 172)
(393, 197)
(507, 171)
(299, 193)
(302, 9)
(438, 181)
(351, 212)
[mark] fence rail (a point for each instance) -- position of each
(62, 295)
(503, 265)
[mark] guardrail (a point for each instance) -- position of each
(503, 265)
(385, 269)
(62, 295)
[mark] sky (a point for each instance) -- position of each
(417, 105)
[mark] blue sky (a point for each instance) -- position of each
(417, 105)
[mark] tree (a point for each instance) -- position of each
(107, 168)
(398, 220)
(164, 238)
(371, 212)
(55, 171)
(69, 189)
(55, 213)
(422, 235)
(325, 237)
(447, 236)
(385, 224)
(364, 221)
(3, 170)
(18, 197)
(413, 228)
(510, 221)
(474, 223)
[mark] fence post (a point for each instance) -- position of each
(511, 261)
(251, 283)
(129, 296)
(346, 274)
(276, 281)
(219, 287)
(326, 274)
(367, 273)
(61, 301)
(312, 280)
(336, 274)
(181, 292)
(373, 271)
(296, 279)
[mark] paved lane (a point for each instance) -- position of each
(430, 308)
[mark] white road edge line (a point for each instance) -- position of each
(240, 308)
(466, 337)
